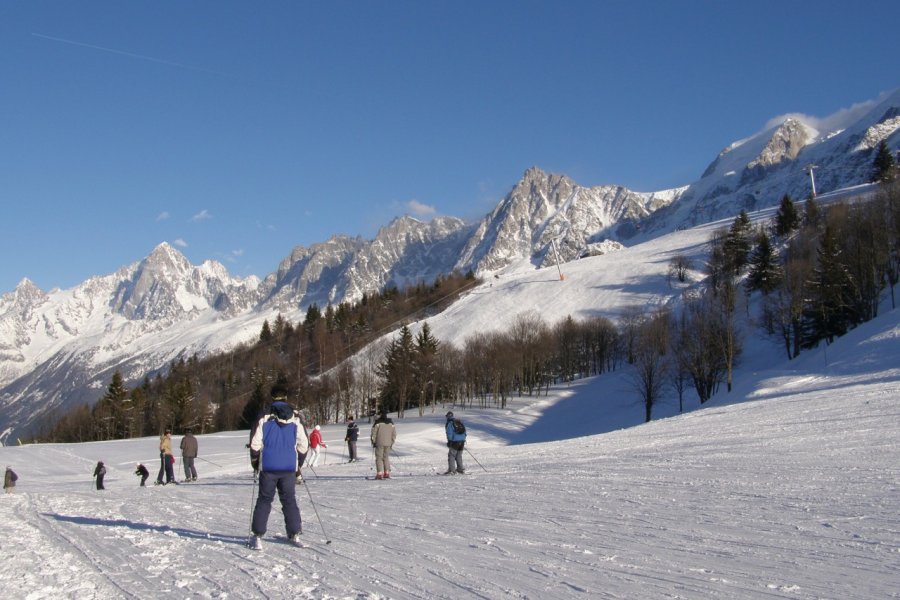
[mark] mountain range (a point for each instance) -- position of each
(58, 349)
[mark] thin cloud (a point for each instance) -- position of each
(203, 215)
(164, 215)
(421, 210)
(180, 243)
(833, 122)
(128, 54)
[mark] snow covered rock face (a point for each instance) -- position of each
(543, 208)
(784, 146)
(165, 286)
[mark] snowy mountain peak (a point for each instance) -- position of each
(884, 129)
(166, 260)
(785, 143)
(27, 293)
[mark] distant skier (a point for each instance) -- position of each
(278, 437)
(142, 471)
(456, 442)
(315, 442)
(99, 474)
(383, 436)
(351, 437)
(9, 480)
(188, 454)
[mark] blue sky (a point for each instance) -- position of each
(238, 130)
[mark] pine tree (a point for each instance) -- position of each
(883, 167)
(787, 220)
(811, 213)
(737, 244)
(112, 410)
(397, 371)
(313, 314)
(765, 272)
(265, 333)
(424, 364)
(827, 313)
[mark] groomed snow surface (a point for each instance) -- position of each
(786, 488)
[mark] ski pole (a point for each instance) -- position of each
(252, 500)
(316, 510)
(209, 461)
(475, 459)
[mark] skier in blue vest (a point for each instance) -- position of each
(279, 438)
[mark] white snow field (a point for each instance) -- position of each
(785, 488)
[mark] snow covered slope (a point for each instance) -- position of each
(786, 488)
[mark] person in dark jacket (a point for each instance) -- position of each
(99, 474)
(188, 454)
(143, 472)
(279, 437)
(351, 437)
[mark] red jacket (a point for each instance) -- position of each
(315, 439)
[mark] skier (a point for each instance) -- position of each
(383, 436)
(278, 437)
(351, 437)
(456, 442)
(143, 472)
(188, 454)
(166, 459)
(9, 480)
(99, 474)
(315, 441)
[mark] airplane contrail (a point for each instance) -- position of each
(128, 54)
